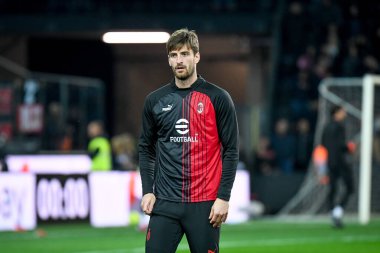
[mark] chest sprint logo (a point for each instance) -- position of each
(182, 127)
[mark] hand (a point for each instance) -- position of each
(351, 146)
(147, 203)
(219, 212)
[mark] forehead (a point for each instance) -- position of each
(181, 48)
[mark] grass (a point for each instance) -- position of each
(266, 235)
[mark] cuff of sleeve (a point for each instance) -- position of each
(224, 197)
(147, 190)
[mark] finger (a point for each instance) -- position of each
(216, 219)
(145, 207)
(211, 213)
(217, 224)
(224, 218)
(150, 206)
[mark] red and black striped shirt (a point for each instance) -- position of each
(188, 148)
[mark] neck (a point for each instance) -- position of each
(183, 84)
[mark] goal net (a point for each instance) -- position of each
(361, 99)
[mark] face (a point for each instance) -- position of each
(183, 62)
(93, 130)
(341, 115)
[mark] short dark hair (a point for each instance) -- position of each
(183, 37)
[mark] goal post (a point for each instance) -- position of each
(361, 99)
(369, 83)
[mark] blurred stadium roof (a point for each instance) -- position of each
(56, 16)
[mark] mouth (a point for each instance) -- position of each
(180, 67)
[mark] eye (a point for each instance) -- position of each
(172, 55)
(185, 53)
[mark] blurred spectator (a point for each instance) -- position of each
(324, 13)
(67, 140)
(300, 97)
(124, 150)
(304, 145)
(323, 66)
(54, 127)
(341, 40)
(331, 48)
(99, 147)
(354, 25)
(264, 157)
(371, 65)
(306, 60)
(74, 119)
(295, 28)
(284, 146)
(351, 66)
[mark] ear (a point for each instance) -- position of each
(197, 57)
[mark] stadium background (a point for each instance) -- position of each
(270, 55)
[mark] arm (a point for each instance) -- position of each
(93, 153)
(147, 157)
(228, 134)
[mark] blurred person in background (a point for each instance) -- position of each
(67, 139)
(188, 153)
(264, 158)
(334, 140)
(304, 145)
(124, 150)
(284, 146)
(99, 148)
(54, 129)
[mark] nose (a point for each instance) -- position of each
(179, 58)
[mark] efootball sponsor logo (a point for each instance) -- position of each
(182, 127)
(184, 139)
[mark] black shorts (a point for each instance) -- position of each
(170, 220)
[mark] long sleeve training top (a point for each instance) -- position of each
(188, 148)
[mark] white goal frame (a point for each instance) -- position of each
(368, 94)
(364, 111)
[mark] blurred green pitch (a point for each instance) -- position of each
(267, 235)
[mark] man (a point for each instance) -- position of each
(334, 140)
(99, 147)
(188, 152)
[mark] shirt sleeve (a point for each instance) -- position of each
(229, 137)
(147, 148)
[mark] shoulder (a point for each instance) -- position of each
(215, 91)
(155, 95)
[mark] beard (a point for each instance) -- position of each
(187, 72)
